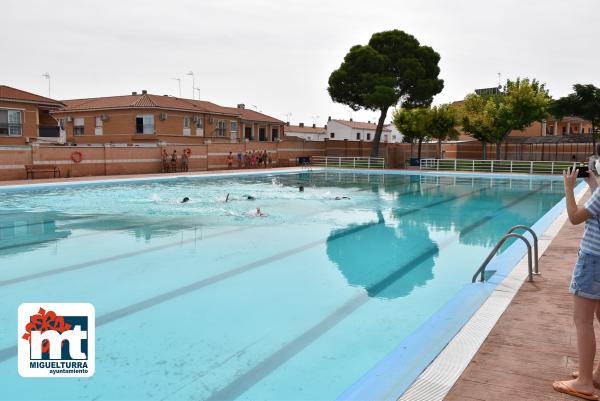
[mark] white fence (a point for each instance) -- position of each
(495, 166)
(348, 162)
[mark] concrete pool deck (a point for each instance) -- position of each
(534, 341)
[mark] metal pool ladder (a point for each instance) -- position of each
(510, 234)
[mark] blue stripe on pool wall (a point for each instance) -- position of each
(392, 376)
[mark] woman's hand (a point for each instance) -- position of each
(570, 177)
(592, 180)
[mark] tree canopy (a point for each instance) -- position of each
(443, 123)
(415, 125)
(491, 118)
(392, 68)
(584, 102)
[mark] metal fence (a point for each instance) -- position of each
(495, 166)
(348, 162)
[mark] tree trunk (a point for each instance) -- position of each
(498, 150)
(594, 139)
(484, 150)
(378, 130)
(419, 151)
(439, 148)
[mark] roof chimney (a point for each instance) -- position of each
(287, 123)
(314, 125)
(329, 118)
(144, 91)
(134, 93)
(350, 118)
(301, 125)
(241, 106)
(369, 122)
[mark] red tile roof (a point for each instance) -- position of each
(10, 93)
(305, 130)
(360, 125)
(144, 101)
(251, 115)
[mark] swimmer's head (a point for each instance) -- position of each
(184, 200)
(301, 188)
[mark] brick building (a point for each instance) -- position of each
(143, 117)
(26, 117)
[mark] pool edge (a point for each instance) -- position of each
(426, 364)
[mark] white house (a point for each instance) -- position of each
(313, 133)
(360, 131)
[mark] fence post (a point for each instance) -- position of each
(455, 164)
(492, 167)
(339, 162)
(326, 161)
(473, 165)
(551, 171)
(369, 162)
(511, 166)
(531, 167)
(354, 162)
(437, 164)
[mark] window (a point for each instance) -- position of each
(61, 124)
(332, 135)
(274, 134)
(199, 121)
(144, 124)
(368, 137)
(358, 136)
(11, 123)
(221, 128)
(186, 122)
(385, 138)
(98, 128)
(234, 126)
(78, 126)
(393, 137)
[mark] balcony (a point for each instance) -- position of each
(49, 131)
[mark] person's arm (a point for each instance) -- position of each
(579, 214)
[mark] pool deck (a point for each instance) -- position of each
(534, 341)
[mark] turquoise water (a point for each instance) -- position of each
(207, 301)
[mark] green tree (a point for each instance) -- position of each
(414, 124)
(392, 68)
(494, 117)
(584, 102)
(443, 123)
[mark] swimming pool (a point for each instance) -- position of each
(206, 301)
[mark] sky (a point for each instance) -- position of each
(276, 56)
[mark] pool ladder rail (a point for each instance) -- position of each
(533, 268)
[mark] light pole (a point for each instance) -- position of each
(47, 76)
(179, 82)
(193, 83)
(198, 89)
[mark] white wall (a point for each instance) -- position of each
(343, 131)
(306, 136)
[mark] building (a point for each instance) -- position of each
(143, 117)
(359, 131)
(25, 117)
(313, 133)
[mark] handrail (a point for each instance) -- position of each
(487, 260)
(496, 166)
(350, 162)
(536, 269)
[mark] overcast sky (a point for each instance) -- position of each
(277, 55)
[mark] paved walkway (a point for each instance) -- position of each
(534, 341)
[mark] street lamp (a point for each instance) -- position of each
(47, 76)
(193, 83)
(179, 82)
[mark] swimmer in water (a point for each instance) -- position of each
(250, 197)
(185, 200)
(226, 198)
(341, 197)
(301, 188)
(259, 213)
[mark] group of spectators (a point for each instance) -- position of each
(250, 159)
(173, 163)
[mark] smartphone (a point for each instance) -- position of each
(583, 171)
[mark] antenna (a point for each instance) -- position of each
(47, 76)
(314, 119)
(198, 89)
(179, 82)
(350, 114)
(499, 80)
(288, 115)
(193, 83)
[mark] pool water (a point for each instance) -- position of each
(204, 300)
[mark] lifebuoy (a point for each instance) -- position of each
(188, 151)
(76, 156)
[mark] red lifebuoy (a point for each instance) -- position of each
(188, 151)
(76, 156)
